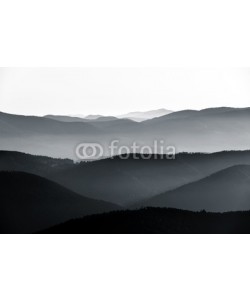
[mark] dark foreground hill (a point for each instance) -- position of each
(157, 221)
(227, 190)
(29, 203)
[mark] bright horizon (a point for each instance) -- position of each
(107, 91)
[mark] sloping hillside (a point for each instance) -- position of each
(227, 190)
(30, 125)
(29, 203)
(127, 181)
(124, 181)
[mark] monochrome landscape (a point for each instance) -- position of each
(189, 171)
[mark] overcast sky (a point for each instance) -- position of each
(40, 91)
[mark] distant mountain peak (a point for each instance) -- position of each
(140, 116)
(93, 117)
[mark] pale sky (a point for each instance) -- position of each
(40, 91)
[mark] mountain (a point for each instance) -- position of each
(208, 130)
(134, 116)
(39, 135)
(34, 164)
(124, 181)
(78, 119)
(157, 221)
(111, 123)
(227, 190)
(92, 117)
(30, 125)
(48, 137)
(31, 203)
(65, 118)
(142, 116)
(193, 113)
(101, 119)
(116, 126)
(89, 117)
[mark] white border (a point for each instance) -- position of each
(124, 267)
(124, 34)
(135, 33)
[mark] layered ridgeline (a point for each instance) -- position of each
(147, 115)
(134, 116)
(209, 130)
(78, 119)
(40, 192)
(133, 182)
(30, 203)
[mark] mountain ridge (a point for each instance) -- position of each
(225, 190)
(124, 182)
(30, 203)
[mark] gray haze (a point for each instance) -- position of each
(209, 130)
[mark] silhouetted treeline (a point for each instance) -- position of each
(158, 221)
